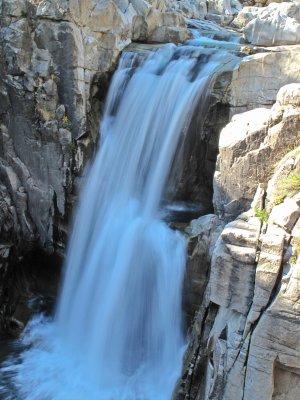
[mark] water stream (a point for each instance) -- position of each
(117, 333)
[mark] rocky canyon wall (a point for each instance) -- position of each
(244, 342)
(242, 283)
(56, 59)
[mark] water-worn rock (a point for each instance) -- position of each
(276, 24)
(233, 265)
(250, 146)
(255, 83)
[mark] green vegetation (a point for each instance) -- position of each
(263, 215)
(296, 246)
(66, 123)
(288, 186)
(72, 147)
(278, 200)
(293, 260)
(292, 148)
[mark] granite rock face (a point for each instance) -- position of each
(255, 83)
(245, 335)
(202, 234)
(276, 24)
(8, 221)
(56, 60)
(244, 342)
(222, 12)
(243, 266)
(250, 146)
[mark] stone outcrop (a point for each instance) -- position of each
(55, 64)
(235, 351)
(244, 340)
(56, 59)
(242, 279)
(222, 12)
(8, 221)
(195, 9)
(250, 146)
(202, 235)
(276, 24)
(258, 78)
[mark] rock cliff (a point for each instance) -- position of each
(244, 341)
(56, 59)
(241, 292)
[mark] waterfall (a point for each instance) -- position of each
(117, 333)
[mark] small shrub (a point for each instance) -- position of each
(292, 148)
(278, 200)
(296, 245)
(296, 248)
(72, 147)
(263, 215)
(66, 123)
(289, 186)
(293, 259)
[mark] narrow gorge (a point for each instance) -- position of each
(149, 200)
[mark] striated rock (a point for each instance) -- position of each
(233, 265)
(244, 341)
(237, 351)
(250, 146)
(276, 348)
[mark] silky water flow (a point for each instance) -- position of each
(117, 333)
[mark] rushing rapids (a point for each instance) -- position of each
(117, 333)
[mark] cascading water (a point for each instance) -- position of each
(117, 333)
